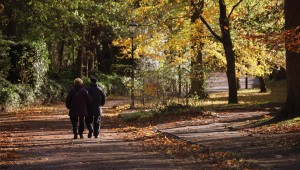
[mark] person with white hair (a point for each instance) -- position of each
(77, 102)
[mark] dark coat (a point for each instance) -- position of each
(77, 102)
(98, 98)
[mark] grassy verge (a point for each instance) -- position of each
(249, 100)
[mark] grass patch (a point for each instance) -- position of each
(249, 98)
(259, 127)
(139, 115)
(284, 127)
(164, 115)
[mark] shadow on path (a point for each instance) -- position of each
(45, 142)
(270, 151)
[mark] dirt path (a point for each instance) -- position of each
(41, 138)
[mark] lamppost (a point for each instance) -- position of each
(132, 26)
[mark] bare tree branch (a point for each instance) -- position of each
(234, 8)
(210, 29)
(205, 23)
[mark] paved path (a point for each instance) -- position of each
(217, 82)
(218, 134)
(41, 138)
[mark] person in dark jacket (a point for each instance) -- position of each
(77, 102)
(95, 110)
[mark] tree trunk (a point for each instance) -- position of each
(229, 53)
(262, 84)
(99, 56)
(12, 22)
(73, 58)
(79, 61)
(104, 58)
(87, 58)
(197, 75)
(238, 84)
(93, 61)
(179, 81)
(292, 104)
(12, 27)
(61, 55)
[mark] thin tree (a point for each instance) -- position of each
(197, 73)
(225, 39)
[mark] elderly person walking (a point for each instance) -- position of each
(98, 98)
(77, 102)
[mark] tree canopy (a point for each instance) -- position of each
(175, 37)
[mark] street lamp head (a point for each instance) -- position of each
(132, 27)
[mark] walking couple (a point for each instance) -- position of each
(84, 106)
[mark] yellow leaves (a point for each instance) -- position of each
(125, 45)
(169, 32)
(255, 58)
(122, 42)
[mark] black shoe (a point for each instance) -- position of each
(75, 136)
(81, 136)
(96, 136)
(90, 134)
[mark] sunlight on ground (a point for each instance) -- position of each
(276, 93)
(57, 109)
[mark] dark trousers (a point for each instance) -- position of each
(93, 124)
(78, 129)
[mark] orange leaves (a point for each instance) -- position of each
(226, 28)
(7, 148)
(289, 39)
(9, 155)
(267, 116)
(178, 148)
(282, 128)
(180, 21)
(43, 110)
(171, 146)
(292, 38)
(137, 134)
(275, 40)
(159, 142)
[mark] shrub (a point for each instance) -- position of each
(9, 98)
(113, 84)
(22, 73)
(52, 91)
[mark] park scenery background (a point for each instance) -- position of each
(189, 84)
